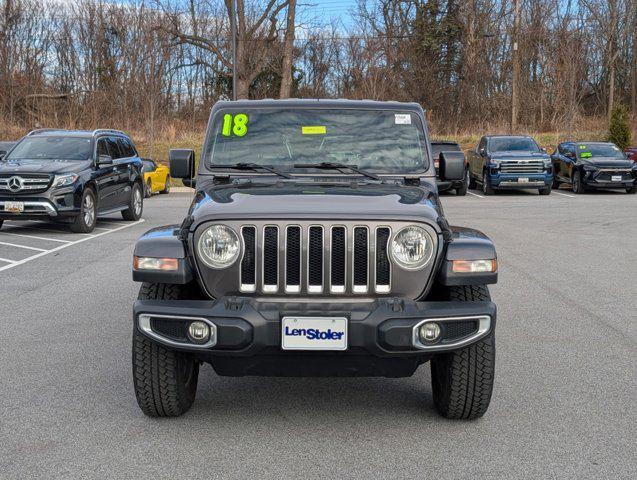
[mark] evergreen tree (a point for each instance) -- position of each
(619, 128)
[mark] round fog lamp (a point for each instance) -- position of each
(429, 332)
(198, 332)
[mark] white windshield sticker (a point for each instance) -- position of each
(402, 119)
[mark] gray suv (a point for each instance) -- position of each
(315, 245)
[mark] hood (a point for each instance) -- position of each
(605, 162)
(304, 200)
(519, 156)
(47, 166)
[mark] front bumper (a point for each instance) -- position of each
(444, 185)
(509, 180)
(600, 179)
(247, 327)
(60, 204)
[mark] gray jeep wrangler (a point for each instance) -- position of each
(315, 245)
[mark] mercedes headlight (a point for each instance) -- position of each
(218, 246)
(412, 247)
(64, 180)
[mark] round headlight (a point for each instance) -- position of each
(412, 247)
(218, 246)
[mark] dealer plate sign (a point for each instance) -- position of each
(314, 333)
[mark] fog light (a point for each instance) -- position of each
(429, 332)
(199, 332)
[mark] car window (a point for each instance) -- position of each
(102, 147)
(149, 166)
(126, 147)
(513, 144)
(113, 148)
(599, 150)
(436, 148)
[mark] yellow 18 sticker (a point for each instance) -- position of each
(237, 125)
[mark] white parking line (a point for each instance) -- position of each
(475, 194)
(23, 246)
(563, 194)
(6, 260)
(62, 247)
(36, 237)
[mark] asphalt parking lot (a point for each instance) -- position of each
(566, 377)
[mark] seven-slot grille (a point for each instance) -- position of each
(315, 259)
(533, 166)
(24, 183)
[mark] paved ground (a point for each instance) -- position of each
(564, 403)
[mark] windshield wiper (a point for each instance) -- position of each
(251, 166)
(337, 166)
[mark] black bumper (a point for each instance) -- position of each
(380, 333)
(444, 185)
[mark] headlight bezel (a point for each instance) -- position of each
(426, 259)
(206, 259)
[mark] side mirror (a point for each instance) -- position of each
(105, 160)
(2, 154)
(452, 166)
(182, 163)
(543, 150)
(482, 152)
(570, 155)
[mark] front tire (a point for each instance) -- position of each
(135, 205)
(86, 220)
(472, 182)
(578, 186)
(632, 189)
(486, 188)
(148, 189)
(166, 189)
(462, 381)
(545, 190)
(165, 380)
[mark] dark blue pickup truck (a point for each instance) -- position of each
(501, 162)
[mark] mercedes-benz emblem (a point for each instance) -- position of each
(15, 184)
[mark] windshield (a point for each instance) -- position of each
(377, 140)
(52, 148)
(606, 150)
(513, 144)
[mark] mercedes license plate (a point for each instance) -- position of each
(14, 207)
(314, 333)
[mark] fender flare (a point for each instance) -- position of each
(163, 242)
(467, 244)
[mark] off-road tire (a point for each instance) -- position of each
(462, 190)
(165, 380)
(133, 214)
(486, 188)
(166, 189)
(462, 381)
(80, 223)
(556, 183)
(545, 190)
(1, 222)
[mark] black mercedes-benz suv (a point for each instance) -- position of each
(315, 245)
(72, 176)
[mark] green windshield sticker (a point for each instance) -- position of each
(237, 125)
(586, 155)
(582, 147)
(314, 130)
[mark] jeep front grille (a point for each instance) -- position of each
(315, 259)
(522, 167)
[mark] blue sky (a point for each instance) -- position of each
(324, 10)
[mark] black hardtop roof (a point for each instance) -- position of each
(444, 142)
(319, 103)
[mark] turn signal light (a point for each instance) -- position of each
(474, 266)
(150, 263)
